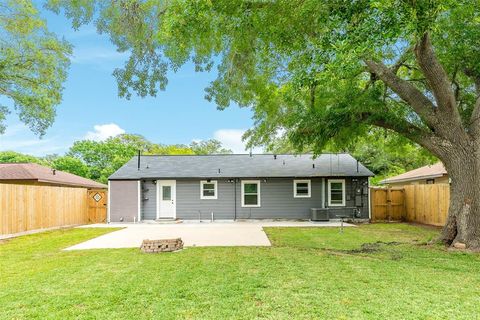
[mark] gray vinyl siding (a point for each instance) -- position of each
(123, 200)
(191, 207)
(149, 200)
(276, 194)
(277, 200)
(350, 187)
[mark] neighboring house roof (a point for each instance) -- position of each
(436, 170)
(241, 166)
(36, 172)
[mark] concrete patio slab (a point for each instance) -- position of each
(193, 234)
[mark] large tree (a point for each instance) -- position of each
(33, 65)
(321, 70)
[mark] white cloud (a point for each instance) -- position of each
(232, 139)
(104, 131)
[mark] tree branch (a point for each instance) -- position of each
(437, 79)
(416, 99)
(401, 61)
(475, 116)
(426, 139)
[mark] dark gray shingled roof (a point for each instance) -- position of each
(241, 166)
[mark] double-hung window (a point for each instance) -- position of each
(208, 189)
(251, 193)
(302, 188)
(336, 192)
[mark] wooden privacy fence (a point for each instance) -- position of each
(32, 207)
(97, 205)
(427, 203)
(422, 203)
(388, 203)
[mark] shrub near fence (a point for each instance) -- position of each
(422, 203)
(31, 207)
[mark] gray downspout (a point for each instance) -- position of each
(323, 192)
(235, 199)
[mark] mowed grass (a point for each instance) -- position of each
(374, 271)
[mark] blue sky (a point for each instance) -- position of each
(92, 109)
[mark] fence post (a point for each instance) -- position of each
(389, 204)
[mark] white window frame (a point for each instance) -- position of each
(296, 195)
(257, 182)
(330, 204)
(214, 182)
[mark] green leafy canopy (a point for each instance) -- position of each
(33, 65)
(299, 64)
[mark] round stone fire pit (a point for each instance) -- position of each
(163, 245)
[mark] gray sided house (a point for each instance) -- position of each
(231, 187)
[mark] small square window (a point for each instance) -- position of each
(251, 193)
(336, 193)
(301, 188)
(208, 190)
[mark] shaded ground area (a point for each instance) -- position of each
(370, 272)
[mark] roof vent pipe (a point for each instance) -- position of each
(313, 165)
(138, 163)
(54, 171)
(357, 165)
(275, 157)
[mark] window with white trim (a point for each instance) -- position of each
(208, 189)
(302, 188)
(251, 193)
(336, 192)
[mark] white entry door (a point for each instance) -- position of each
(166, 207)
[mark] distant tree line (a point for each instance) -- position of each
(97, 160)
(384, 154)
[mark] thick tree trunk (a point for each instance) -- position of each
(463, 223)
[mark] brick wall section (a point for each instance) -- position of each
(164, 245)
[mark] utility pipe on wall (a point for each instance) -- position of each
(235, 199)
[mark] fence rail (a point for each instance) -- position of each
(388, 204)
(423, 203)
(30, 207)
(427, 203)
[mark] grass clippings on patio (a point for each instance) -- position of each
(370, 272)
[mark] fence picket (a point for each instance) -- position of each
(31, 207)
(426, 204)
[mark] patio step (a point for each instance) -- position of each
(163, 221)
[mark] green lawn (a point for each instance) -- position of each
(370, 272)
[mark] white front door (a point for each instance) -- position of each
(166, 191)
